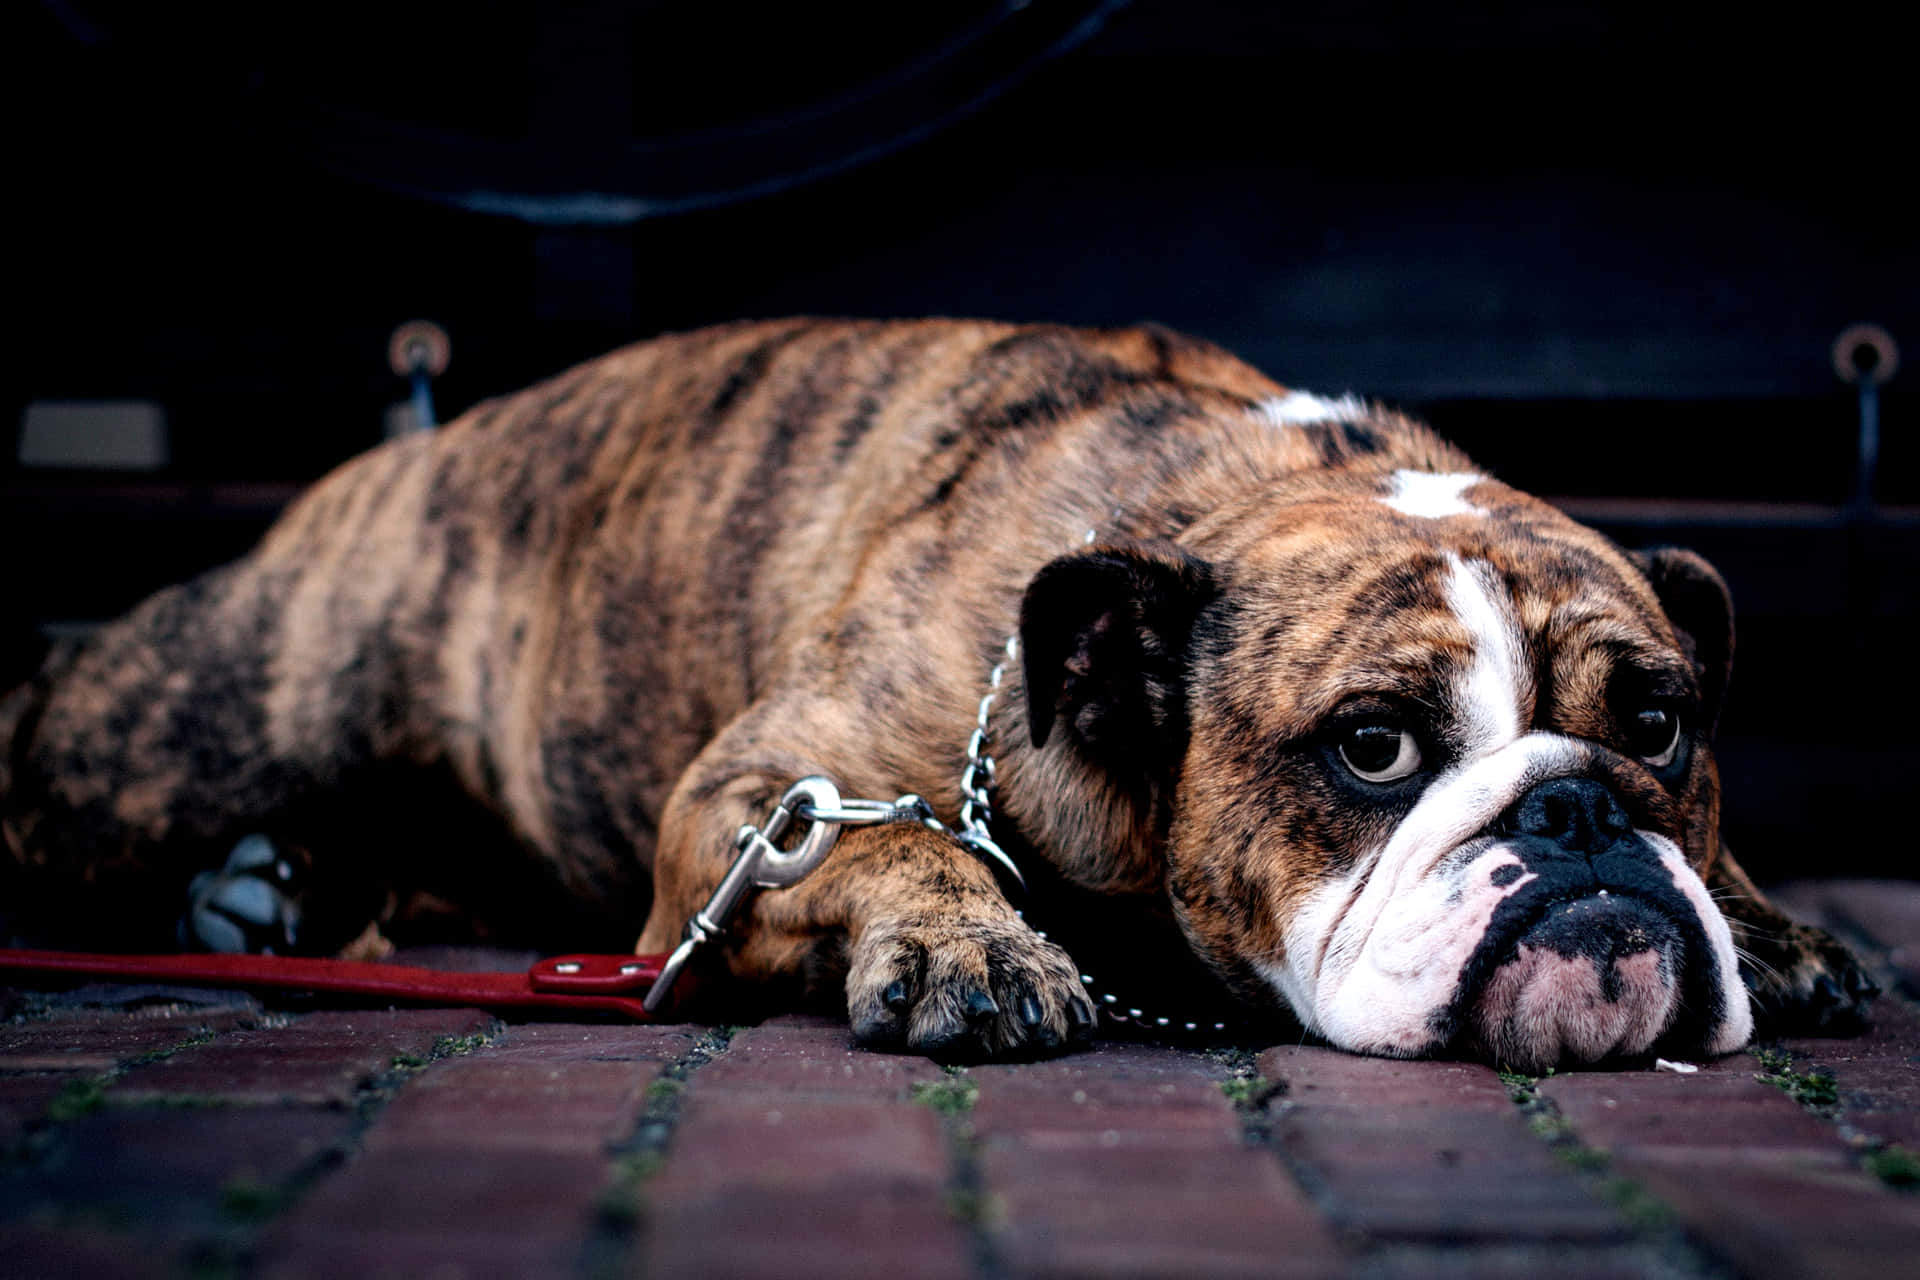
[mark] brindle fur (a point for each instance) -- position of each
(545, 661)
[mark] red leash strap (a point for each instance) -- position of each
(562, 984)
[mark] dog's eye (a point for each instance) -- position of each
(1379, 752)
(1653, 734)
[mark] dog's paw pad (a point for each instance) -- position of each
(966, 989)
(245, 906)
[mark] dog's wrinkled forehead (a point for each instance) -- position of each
(1450, 592)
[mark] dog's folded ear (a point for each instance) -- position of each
(1698, 604)
(1105, 634)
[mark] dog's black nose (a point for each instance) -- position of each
(1578, 814)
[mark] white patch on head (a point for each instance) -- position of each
(1493, 692)
(1431, 496)
(1299, 407)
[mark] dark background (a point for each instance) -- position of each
(1606, 248)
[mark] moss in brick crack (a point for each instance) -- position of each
(202, 1035)
(1585, 1159)
(1896, 1166)
(1550, 1126)
(622, 1202)
(247, 1200)
(186, 1101)
(408, 1062)
(951, 1095)
(1635, 1204)
(664, 1089)
(1247, 1092)
(76, 1098)
(460, 1046)
(1808, 1088)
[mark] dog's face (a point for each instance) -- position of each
(1441, 775)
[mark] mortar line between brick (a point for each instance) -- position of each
(953, 1097)
(86, 1091)
(1253, 1102)
(1865, 1151)
(609, 1248)
(371, 1099)
(1653, 1222)
(235, 1254)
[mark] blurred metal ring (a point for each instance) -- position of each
(1859, 339)
(419, 344)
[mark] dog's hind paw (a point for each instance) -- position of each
(962, 988)
(244, 906)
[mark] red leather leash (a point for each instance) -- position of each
(561, 984)
(575, 983)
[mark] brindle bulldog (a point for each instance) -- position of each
(1307, 715)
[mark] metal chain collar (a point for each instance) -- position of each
(976, 816)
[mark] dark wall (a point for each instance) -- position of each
(1605, 247)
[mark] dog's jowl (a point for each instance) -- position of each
(1293, 710)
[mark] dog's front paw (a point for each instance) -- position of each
(1807, 983)
(964, 987)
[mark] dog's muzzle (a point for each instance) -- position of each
(1518, 914)
(1599, 953)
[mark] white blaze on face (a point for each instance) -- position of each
(1297, 408)
(1495, 690)
(1433, 497)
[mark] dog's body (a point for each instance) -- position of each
(1386, 742)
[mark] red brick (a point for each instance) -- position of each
(319, 1059)
(1110, 1095)
(796, 1155)
(162, 1172)
(600, 1042)
(745, 1146)
(47, 1252)
(95, 1041)
(1128, 1160)
(1426, 1150)
(1820, 1224)
(1325, 1077)
(1524, 1261)
(811, 1056)
(1746, 1168)
(1134, 1210)
(24, 1099)
(553, 1096)
(487, 1164)
(1720, 1109)
(859, 1231)
(454, 1211)
(1876, 1074)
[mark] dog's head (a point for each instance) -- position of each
(1414, 753)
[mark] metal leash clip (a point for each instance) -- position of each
(762, 864)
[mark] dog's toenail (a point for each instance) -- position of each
(980, 1006)
(895, 996)
(1029, 1011)
(1080, 1015)
(1827, 990)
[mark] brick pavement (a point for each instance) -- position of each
(159, 1133)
